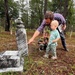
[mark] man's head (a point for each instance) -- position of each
(54, 24)
(49, 16)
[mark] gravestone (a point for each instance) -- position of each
(21, 40)
(13, 60)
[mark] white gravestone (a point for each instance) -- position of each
(13, 60)
(21, 38)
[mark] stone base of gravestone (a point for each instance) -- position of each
(16, 65)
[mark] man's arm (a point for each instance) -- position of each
(64, 27)
(37, 32)
(34, 36)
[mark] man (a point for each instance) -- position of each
(49, 16)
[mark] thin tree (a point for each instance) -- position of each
(66, 8)
(45, 6)
(7, 21)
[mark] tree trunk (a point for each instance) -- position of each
(65, 8)
(7, 21)
(45, 6)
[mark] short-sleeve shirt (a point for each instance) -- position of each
(53, 35)
(57, 17)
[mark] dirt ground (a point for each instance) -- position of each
(36, 64)
(64, 65)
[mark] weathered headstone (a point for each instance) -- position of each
(21, 38)
(13, 60)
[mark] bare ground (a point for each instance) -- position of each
(35, 63)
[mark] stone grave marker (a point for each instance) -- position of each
(13, 60)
